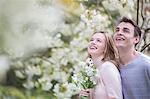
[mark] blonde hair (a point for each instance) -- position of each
(110, 51)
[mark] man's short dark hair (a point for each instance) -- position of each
(137, 30)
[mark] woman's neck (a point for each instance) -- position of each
(97, 60)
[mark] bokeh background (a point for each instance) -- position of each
(43, 41)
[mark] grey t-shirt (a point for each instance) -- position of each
(136, 78)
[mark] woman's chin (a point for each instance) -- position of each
(92, 53)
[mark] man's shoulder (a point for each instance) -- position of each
(145, 57)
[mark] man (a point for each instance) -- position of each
(134, 66)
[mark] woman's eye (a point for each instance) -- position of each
(98, 40)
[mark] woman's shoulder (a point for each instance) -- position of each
(109, 70)
(108, 65)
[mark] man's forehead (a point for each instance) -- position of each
(125, 25)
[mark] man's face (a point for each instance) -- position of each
(124, 36)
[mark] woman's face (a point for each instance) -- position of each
(96, 45)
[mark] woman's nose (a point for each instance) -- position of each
(93, 42)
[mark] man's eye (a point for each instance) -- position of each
(126, 31)
(117, 30)
(91, 39)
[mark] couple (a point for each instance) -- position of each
(124, 72)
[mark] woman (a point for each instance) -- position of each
(105, 57)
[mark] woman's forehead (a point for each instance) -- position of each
(98, 35)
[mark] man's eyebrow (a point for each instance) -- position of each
(126, 28)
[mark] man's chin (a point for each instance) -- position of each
(119, 46)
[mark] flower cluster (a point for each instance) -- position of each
(84, 75)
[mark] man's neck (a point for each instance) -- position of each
(127, 56)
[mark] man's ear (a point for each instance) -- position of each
(137, 39)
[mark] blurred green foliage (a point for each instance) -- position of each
(7, 92)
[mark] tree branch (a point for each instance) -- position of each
(145, 47)
(143, 18)
(137, 16)
(146, 30)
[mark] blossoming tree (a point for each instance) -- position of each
(46, 39)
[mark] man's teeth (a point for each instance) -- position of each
(119, 39)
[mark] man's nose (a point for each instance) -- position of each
(119, 32)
